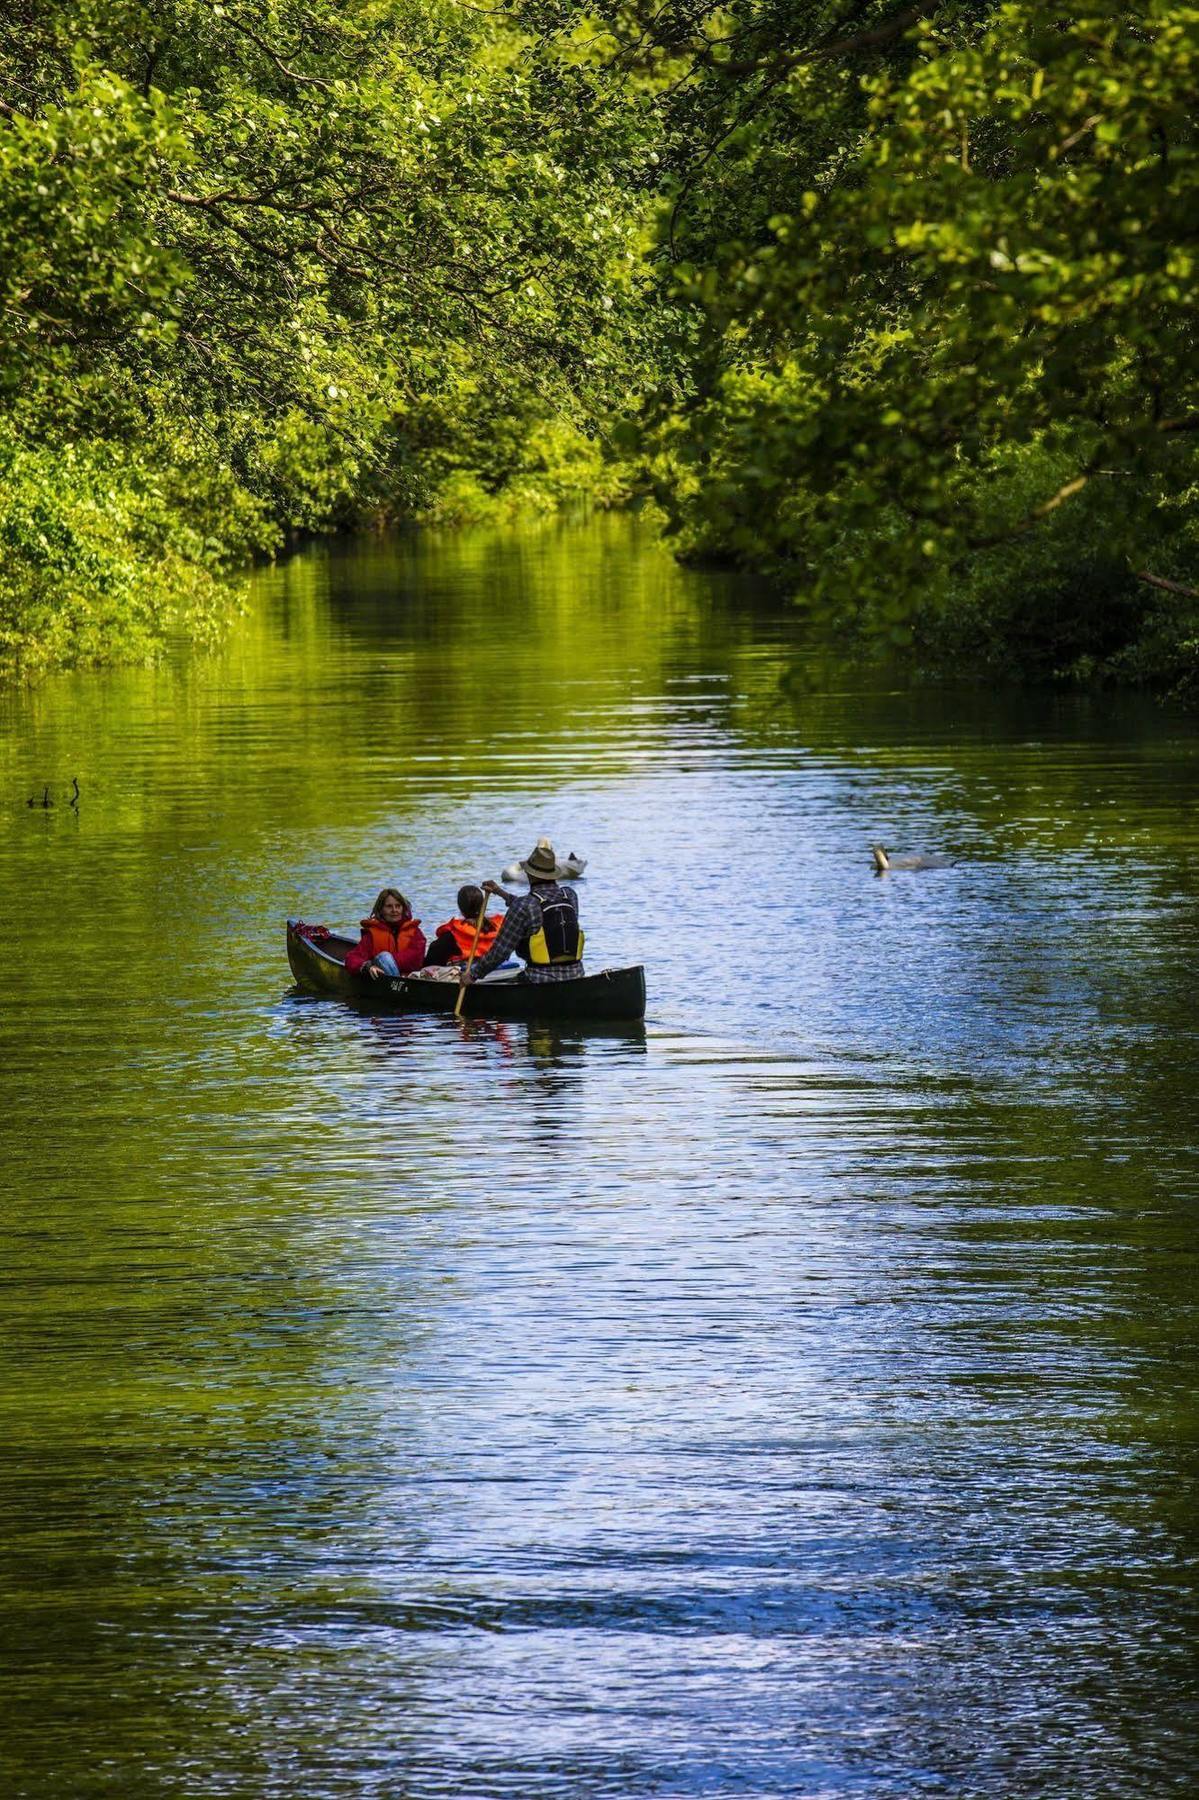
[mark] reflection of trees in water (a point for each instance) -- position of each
(507, 630)
(999, 771)
(359, 660)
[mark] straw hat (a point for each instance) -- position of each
(541, 864)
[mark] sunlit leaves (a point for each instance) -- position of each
(293, 244)
(994, 262)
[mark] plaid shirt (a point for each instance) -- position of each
(524, 918)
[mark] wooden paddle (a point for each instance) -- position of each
(470, 959)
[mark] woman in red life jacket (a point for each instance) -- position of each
(392, 942)
(452, 941)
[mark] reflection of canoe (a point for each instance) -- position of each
(319, 968)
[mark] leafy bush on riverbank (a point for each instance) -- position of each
(555, 468)
(101, 553)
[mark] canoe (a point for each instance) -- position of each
(318, 964)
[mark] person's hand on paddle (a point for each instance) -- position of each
(466, 977)
(493, 887)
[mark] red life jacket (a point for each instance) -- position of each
(463, 933)
(406, 941)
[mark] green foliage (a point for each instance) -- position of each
(958, 352)
(268, 253)
(895, 300)
(553, 467)
(99, 550)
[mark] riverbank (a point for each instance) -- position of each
(111, 556)
(111, 560)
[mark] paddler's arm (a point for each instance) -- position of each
(514, 929)
(493, 887)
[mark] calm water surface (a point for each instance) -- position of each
(795, 1399)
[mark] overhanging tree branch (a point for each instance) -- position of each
(1168, 586)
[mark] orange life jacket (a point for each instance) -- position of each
(463, 933)
(399, 940)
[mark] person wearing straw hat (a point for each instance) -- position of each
(541, 927)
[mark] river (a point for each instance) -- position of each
(795, 1398)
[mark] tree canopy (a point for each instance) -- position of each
(943, 259)
(267, 266)
(893, 300)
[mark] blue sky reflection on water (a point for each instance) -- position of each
(793, 1398)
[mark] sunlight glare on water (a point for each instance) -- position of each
(794, 1397)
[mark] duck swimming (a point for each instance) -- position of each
(884, 861)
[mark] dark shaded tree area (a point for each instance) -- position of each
(939, 265)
